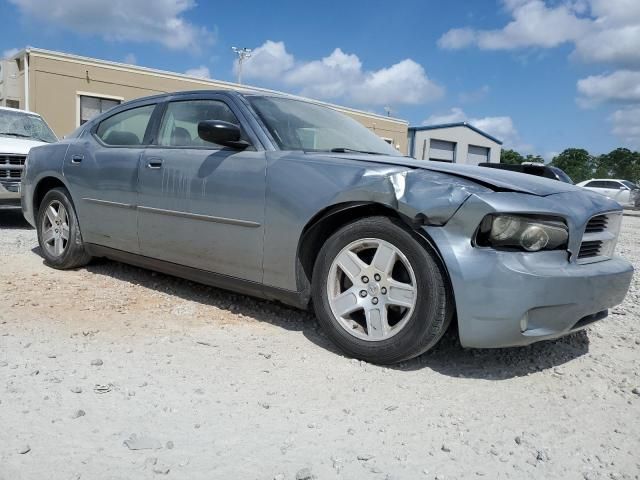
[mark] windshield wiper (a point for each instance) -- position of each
(352, 150)
(16, 134)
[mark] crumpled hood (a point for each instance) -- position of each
(493, 178)
(19, 146)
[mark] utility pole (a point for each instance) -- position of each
(242, 53)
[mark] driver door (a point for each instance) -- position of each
(202, 204)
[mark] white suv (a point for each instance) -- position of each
(622, 191)
(19, 131)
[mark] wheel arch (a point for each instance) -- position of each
(43, 186)
(329, 220)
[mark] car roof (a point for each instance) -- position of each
(18, 110)
(604, 180)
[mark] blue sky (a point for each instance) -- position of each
(542, 75)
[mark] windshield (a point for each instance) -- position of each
(629, 184)
(299, 125)
(562, 176)
(23, 125)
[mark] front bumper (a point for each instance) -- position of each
(519, 301)
(506, 299)
(9, 191)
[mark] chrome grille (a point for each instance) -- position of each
(11, 167)
(600, 237)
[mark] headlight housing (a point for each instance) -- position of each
(522, 232)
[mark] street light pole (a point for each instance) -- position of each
(242, 54)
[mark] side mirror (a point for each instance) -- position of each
(221, 133)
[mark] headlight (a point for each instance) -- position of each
(522, 232)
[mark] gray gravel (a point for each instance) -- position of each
(224, 386)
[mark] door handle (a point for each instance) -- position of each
(154, 163)
(76, 159)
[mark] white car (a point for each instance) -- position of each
(622, 191)
(19, 132)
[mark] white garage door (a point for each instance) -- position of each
(442, 151)
(477, 155)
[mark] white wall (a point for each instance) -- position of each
(461, 135)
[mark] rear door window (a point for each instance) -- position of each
(126, 128)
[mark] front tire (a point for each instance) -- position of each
(59, 233)
(379, 293)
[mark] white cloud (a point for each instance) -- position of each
(199, 72)
(501, 127)
(268, 61)
(404, 82)
(130, 58)
(457, 38)
(603, 31)
(626, 125)
(9, 52)
(341, 75)
(330, 77)
(534, 24)
(619, 86)
(454, 115)
(161, 21)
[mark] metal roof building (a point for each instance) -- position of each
(454, 143)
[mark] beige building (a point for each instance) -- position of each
(68, 90)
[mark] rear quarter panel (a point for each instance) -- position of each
(43, 162)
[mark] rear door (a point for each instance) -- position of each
(102, 170)
(202, 204)
(612, 189)
(619, 192)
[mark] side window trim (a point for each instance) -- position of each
(153, 129)
(147, 132)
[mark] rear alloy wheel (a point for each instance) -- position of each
(379, 293)
(55, 229)
(59, 233)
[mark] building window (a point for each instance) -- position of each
(442, 151)
(93, 106)
(13, 103)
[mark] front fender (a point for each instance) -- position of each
(301, 186)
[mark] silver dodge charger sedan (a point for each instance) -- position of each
(287, 199)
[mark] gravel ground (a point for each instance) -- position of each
(113, 372)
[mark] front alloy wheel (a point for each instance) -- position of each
(364, 296)
(379, 292)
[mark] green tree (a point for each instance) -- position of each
(511, 157)
(620, 163)
(576, 162)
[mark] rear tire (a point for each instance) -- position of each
(59, 233)
(379, 294)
